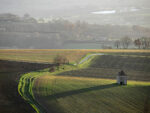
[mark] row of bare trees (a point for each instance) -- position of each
(124, 42)
(141, 43)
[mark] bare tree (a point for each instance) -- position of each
(117, 44)
(60, 60)
(137, 43)
(145, 42)
(126, 41)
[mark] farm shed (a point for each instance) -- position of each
(122, 78)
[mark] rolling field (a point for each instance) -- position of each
(86, 88)
(68, 91)
(59, 94)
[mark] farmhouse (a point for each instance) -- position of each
(122, 78)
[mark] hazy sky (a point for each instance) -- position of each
(59, 7)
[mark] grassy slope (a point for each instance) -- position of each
(48, 96)
(81, 95)
(89, 95)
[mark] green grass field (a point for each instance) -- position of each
(89, 87)
(81, 89)
(88, 95)
(25, 90)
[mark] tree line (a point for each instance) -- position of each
(27, 32)
(140, 43)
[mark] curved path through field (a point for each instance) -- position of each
(26, 83)
(27, 80)
(89, 56)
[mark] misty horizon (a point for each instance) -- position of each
(86, 10)
(70, 24)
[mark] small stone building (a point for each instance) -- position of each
(122, 78)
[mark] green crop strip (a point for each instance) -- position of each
(25, 90)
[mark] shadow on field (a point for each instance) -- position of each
(78, 91)
(10, 73)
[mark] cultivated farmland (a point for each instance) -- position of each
(89, 87)
(88, 95)
(106, 66)
(47, 55)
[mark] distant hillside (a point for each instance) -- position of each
(27, 32)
